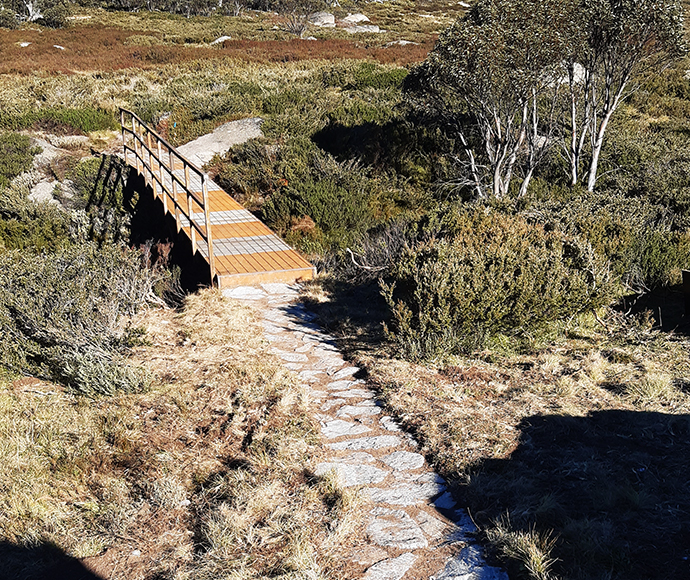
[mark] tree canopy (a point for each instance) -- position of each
(497, 77)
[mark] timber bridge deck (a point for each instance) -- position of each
(238, 248)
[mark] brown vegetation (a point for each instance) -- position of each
(99, 48)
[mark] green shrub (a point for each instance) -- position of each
(481, 273)
(39, 228)
(62, 314)
(55, 14)
(363, 75)
(84, 120)
(305, 194)
(645, 243)
(371, 75)
(8, 19)
(16, 156)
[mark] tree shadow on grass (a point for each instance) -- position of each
(614, 487)
(42, 562)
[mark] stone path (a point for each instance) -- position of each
(415, 530)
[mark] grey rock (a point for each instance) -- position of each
(47, 154)
(201, 150)
(244, 293)
(363, 28)
(328, 363)
(445, 502)
(328, 405)
(391, 569)
(395, 529)
(356, 18)
(432, 527)
(304, 348)
(349, 474)
(368, 555)
(406, 494)
(377, 442)
(310, 376)
(356, 411)
(323, 19)
(274, 315)
(42, 192)
(389, 424)
(463, 520)
(346, 372)
(339, 428)
(469, 565)
(299, 311)
(403, 460)
(280, 289)
(399, 43)
(359, 457)
(221, 39)
(355, 393)
(290, 356)
(337, 385)
(293, 366)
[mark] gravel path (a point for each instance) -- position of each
(415, 530)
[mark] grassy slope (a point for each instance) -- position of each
(206, 475)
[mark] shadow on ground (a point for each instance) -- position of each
(614, 486)
(42, 562)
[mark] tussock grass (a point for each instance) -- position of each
(208, 474)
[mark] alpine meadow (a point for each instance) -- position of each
(486, 376)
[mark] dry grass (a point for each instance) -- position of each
(573, 458)
(208, 475)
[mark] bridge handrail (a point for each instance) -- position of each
(141, 134)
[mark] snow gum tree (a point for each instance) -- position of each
(615, 41)
(493, 75)
(514, 77)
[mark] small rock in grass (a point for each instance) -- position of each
(356, 18)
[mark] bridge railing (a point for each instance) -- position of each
(176, 181)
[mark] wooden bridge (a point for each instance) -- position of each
(239, 249)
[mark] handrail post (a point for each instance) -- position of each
(207, 218)
(136, 142)
(171, 160)
(190, 209)
(148, 165)
(164, 193)
(122, 128)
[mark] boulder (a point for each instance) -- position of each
(364, 28)
(322, 19)
(355, 18)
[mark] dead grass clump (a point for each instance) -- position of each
(530, 548)
(207, 475)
